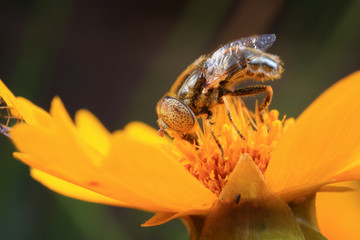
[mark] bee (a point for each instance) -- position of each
(211, 78)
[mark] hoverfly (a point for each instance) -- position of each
(207, 81)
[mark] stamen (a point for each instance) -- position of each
(205, 161)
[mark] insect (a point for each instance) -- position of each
(211, 78)
(8, 116)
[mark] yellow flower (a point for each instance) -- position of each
(276, 171)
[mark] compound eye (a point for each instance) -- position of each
(176, 115)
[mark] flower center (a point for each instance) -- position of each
(262, 134)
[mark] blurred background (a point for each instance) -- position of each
(117, 58)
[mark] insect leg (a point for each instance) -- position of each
(210, 126)
(8, 117)
(5, 113)
(191, 138)
(230, 118)
(252, 90)
(4, 130)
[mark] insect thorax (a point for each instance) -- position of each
(193, 93)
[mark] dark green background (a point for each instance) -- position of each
(117, 58)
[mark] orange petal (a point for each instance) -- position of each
(7, 95)
(136, 173)
(23, 108)
(71, 190)
(155, 175)
(58, 154)
(143, 132)
(32, 114)
(62, 121)
(92, 131)
(349, 173)
(163, 217)
(60, 115)
(160, 218)
(324, 139)
(339, 213)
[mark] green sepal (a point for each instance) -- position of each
(248, 210)
(305, 214)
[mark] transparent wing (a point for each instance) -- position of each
(261, 42)
(234, 57)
